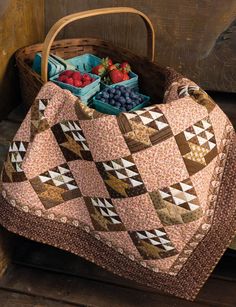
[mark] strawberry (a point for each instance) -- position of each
(68, 73)
(125, 67)
(86, 77)
(85, 83)
(62, 78)
(116, 76)
(76, 75)
(99, 70)
(69, 81)
(77, 83)
(106, 62)
(111, 67)
(126, 77)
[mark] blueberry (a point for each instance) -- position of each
(122, 100)
(118, 92)
(117, 105)
(133, 96)
(112, 102)
(99, 96)
(129, 106)
(111, 95)
(103, 99)
(128, 100)
(105, 95)
(123, 109)
(117, 87)
(112, 91)
(116, 97)
(122, 87)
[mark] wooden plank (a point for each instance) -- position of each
(10, 298)
(70, 289)
(195, 38)
(50, 259)
(21, 24)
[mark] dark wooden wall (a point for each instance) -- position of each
(21, 23)
(196, 37)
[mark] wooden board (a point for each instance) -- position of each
(54, 274)
(195, 37)
(21, 24)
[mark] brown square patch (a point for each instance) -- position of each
(55, 186)
(177, 204)
(153, 244)
(144, 128)
(71, 140)
(103, 214)
(121, 177)
(197, 145)
(12, 169)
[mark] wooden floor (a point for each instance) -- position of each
(45, 276)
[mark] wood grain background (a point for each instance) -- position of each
(21, 23)
(196, 37)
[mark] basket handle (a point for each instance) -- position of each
(61, 23)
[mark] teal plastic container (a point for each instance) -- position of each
(78, 91)
(85, 62)
(108, 109)
(88, 98)
(54, 66)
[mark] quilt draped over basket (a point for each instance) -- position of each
(148, 195)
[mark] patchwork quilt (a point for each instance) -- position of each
(148, 195)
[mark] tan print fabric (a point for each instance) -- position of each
(147, 195)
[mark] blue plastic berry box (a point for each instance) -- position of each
(132, 83)
(85, 62)
(88, 98)
(84, 93)
(54, 66)
(78, 91)
(109, 109)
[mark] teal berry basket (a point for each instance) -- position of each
(109, 109)
(79, 91)
(85, 62)
(88, 98)
(132, 83)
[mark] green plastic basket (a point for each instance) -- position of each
(78, 91)
(85, 62)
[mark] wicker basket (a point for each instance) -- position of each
(31, 82)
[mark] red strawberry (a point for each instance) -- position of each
(126, 77)
(86, 77)
(99, 70)
(62, 78)
(69, 81)
(85, 83)
(92, 80)
(76, 75)
(125, 67)
(77, 83)
(68, 73)
(116, 76)
(111, 67)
